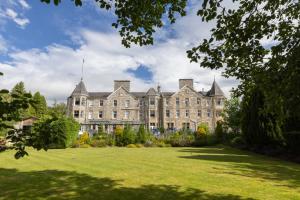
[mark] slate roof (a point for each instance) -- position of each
(80, 89)
(215, 90)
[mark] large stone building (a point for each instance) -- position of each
(185, 108)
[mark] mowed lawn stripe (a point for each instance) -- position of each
(148, 173)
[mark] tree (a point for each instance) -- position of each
(141, 134)
(259, 127)
(39, 108)
(128, 135)
(232, 115)
(19, 88)
(58, 109)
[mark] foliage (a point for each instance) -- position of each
(219, 132)
(131, 146)
(58, 109)
(84, 138)
(238, 141)
(98, 143)
(129, 136)
(39, 108)
(182, 139)
(232, 115)
(202, 129)
(53, 132)
(141, 135)
(259, 127)
(118, 135)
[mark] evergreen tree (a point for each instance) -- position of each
(40, 106)
(260, 127)
(141, 134)
(128, 135)
(19, 88)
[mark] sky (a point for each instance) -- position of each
(44, 45)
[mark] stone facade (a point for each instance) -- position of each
(185, 108)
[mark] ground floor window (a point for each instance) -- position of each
(76, 113)
(186, 125)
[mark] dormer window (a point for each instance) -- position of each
(152, 101)
(127, 103)
(101, 102)
(115, 103)
(83, 101)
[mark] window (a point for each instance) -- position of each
(207, 102)
(114, 114)
(177, 113)
(90, 115)
(115, 103)
(167, 101)
(199, 113)
(76, 113)
(177, 101)
(186, 125)
(141, 102)
(198, 101)
(77, 101)
(152, 101)
(218, 114)
(170, 125)
(127, 103)
(167, 113)
(83, 101)
(152, 113)
(126, 114)
(101, 102)
(219, 102)
(152, 125)
(91, 103)
(208, 112)
(100, 114)
(187, 113)
(82, 114)
(187, 101)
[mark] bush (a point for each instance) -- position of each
(110, 139)
(238, 142)
(84, 138)
(129, 135)
(119, 135)
(98, 143)
(131, 146)
(84, 146)
(219, 130)
(141, 135)
(182, 139)
(53, 132)
(139, 145)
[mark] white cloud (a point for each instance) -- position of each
(22, 22)
(24, 4)
(55, 70)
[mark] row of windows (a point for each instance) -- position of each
(151, 102)
(100, 114)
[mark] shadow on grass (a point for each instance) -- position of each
(248, 164)
(52, 184)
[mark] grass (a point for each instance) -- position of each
(218, 173)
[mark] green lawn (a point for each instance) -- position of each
(147, 173)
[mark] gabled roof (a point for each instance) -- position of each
(215, 90)
(138, 94)
(151, 91)
(80, 89)
(167, 94)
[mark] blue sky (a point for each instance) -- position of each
(43, 45)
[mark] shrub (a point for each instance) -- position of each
(238, 142)
(131, 146)
(141, 135)
(84, 138)
(110, 139)
(119, 135)
(129, 135)
(292, 141)
(53, 132)
(139, 145)
(219, 130)
(182, 139)
(98, 143)
(84, 146)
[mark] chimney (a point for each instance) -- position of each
(186, 82)
(158, 88)
(122, 83)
